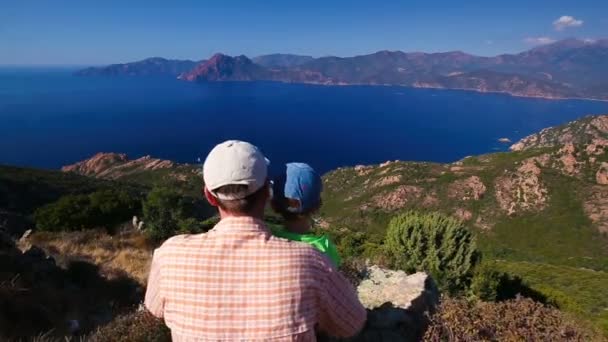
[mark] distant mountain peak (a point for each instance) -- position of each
(221, 67)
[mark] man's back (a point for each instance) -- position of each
(238, 282)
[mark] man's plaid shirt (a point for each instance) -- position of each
(239, 282)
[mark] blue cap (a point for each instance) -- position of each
(302, 183)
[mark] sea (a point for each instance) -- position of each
(50, 118)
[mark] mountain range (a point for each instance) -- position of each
(571, 68)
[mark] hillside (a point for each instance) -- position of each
(281, 60)
(571, 68)
(539, 212)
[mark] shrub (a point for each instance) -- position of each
(520, 319)
(103, 208)
(433, 243)
(138, 326)
(167, 212)
(486, 283)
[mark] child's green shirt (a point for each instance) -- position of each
(320, 242)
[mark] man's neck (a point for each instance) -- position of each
(226, 214)
(301, 225)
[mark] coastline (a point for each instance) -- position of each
(552, 98)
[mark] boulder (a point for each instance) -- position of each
(398, 304)
(601, 176)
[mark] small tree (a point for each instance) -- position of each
(433, 243)
(164, 210)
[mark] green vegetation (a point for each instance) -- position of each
(103, 208)
(433, 243)
(24, 190)
(167, 212)
(559, 235)
(581, 291)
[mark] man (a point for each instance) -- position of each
(238, 281)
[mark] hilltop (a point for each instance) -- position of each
(571, 68)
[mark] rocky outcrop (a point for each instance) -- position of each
(601, 176)
(116, 165)
(590, 131)
(463, 214)
(397, 198)
(521, 190)
(596, 207)
(471, 188)
(569, 164)
(388, 180)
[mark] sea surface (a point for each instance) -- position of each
(50, 118)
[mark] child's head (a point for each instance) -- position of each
(297, 191)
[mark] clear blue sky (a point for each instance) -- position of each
(108, 31)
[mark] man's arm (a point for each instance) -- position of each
(155, 302)
(342, 314)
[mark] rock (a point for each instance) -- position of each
(463, 214)
(597, 146)
(363, 170)
(522, 190)
(467, 189)
(398, 304)
(397, 198)
(519, 146)
(381, 286)
(596, 207)
(388, 180)
(26, 235)
(578, 132)
(601, 176)
(116, 165)
(568, 160)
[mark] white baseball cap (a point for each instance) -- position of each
(235, 162)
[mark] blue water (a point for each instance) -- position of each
(49, 118)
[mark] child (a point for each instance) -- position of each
(296, 197)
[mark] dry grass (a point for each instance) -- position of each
(128, 251)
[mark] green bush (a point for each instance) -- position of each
(434, 243)
(167, 212)
(103, 208)
(486, 283)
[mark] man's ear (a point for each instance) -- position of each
(210, 198)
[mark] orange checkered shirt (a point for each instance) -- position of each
(239, 282)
